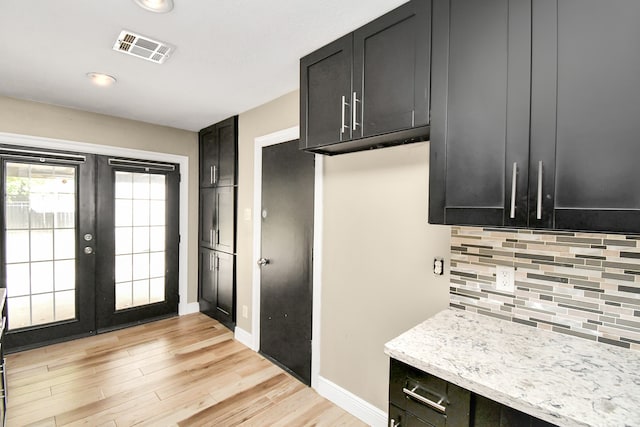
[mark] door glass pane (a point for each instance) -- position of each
(40, 243)
(139, 229)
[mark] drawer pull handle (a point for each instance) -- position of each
(412, 394)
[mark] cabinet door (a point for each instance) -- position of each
(224, 230)
(226, 137)
(325, 94)
(208, 156)
(225, 270)
(585, 110)
(480, 112)
(391, 71)
(208, 285)
(208, 207)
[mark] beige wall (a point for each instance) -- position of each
(281, 113)
(377, 254)
(35, 119)
(378, 249)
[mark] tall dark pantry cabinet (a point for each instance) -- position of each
(217, 224)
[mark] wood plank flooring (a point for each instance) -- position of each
(184, 371)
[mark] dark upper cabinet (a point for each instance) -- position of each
(217, 218)
(480, 112)
(391, 71)
(369, 88)
(534, 114)
(218, 153)
(217, 289)
(326, 77)
(585, 104)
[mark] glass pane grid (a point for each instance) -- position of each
(140, 200)
(40, 212)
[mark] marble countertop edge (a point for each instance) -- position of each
(482, 390)
(561, 379)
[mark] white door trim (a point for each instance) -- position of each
(60, 144)
(279, 137)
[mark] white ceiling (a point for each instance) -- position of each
(231, 56)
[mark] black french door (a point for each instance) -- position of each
(137, 221)
(89, 243)
(48, 268)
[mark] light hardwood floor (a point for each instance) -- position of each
(185, 371)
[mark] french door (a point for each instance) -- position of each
(69, 222)
(137, 265)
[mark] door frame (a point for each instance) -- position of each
(274, 138)
(60, 144)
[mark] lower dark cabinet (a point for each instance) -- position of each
(420, 399)
(217, 291)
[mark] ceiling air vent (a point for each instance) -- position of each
(143, 47)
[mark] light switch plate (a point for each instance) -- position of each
(438, 266)
(505, 278)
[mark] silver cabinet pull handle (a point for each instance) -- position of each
(539, 207)
(210, 261)
(211, 236)
(514, 178)
(393, 423)
(215, 174)
(343, 104)
(211, 175)
(422, 399)
(354, 108)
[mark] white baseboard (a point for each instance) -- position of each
(351, 403)
(243, 337)
(188, 308)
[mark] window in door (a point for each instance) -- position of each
(140, 229)
(40, 230)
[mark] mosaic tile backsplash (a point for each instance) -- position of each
(581, 284)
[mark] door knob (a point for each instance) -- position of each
(263, 261)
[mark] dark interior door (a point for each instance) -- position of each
(391, 71)
(325, 94)
(48, 221)
(138, 240)
(287, 244)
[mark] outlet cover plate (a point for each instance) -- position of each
(505, 278)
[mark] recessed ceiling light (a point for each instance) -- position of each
(100, 79)
(158, 6)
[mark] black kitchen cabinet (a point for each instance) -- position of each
(217, 218)
(218, 152)
(585, 103)
(326, 79)
(425, 399)
(217, 222)
(534, 114)
(417, 398)
(369, 88)
(480, 112)
(217, 285)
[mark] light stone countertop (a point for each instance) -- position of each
(562, 379)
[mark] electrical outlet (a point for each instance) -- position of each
(245, 311)
(505, 278)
